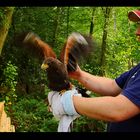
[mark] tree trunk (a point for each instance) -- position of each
(106, 12)
(92, 22)
(56, 22)
(8, 12)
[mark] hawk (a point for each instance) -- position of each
(77, 46)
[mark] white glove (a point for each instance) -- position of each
(63, 109)
(62, 104)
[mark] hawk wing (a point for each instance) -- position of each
(34, 45)
(76, 47)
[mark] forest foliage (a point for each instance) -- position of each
(23, 85)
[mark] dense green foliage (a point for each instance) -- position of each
(25, 83)
(10, 81)
(31, 115)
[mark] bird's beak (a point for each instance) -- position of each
(44, 66)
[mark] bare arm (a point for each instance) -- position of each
(102, 85)
(112, 107)
(106, 108)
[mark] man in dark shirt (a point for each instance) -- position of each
(120, 101)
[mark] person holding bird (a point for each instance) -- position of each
(57, 68)
(77, 46)
(119, 103)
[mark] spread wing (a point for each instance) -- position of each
(76, 47)
(34, 45)
(56, 71)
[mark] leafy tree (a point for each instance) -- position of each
(6, 18)
(116, 51)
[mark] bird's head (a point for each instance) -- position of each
(54, 67)
(47, 63)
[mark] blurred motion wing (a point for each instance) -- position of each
(76, 47)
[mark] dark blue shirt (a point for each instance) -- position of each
(130, 83)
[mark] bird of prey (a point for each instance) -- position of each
(77, 46)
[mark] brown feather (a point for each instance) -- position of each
(76, 46)
(32, 39)
(33, 45)
(57, 74)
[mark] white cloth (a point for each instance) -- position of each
(65, 123)
(56, 105)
